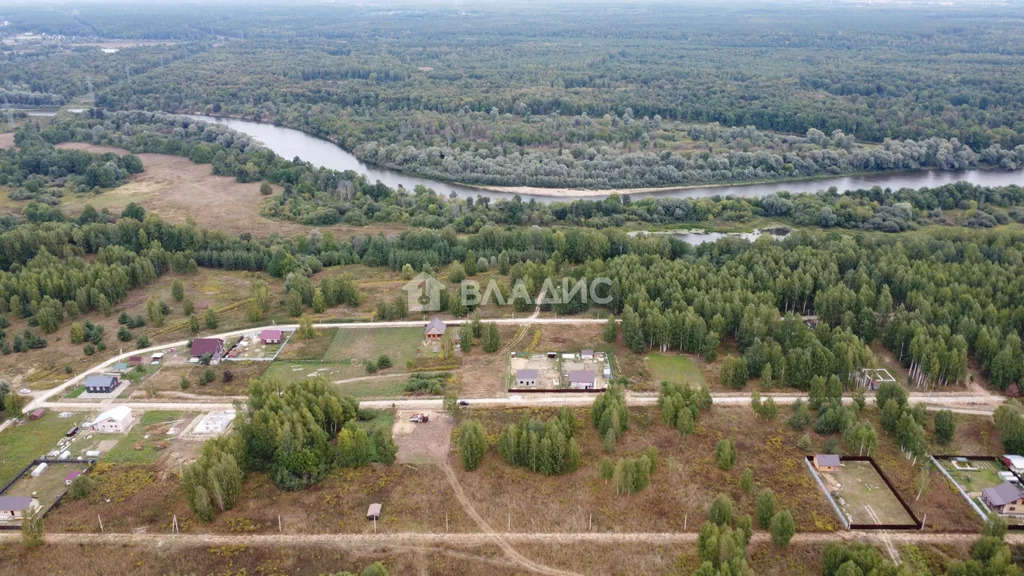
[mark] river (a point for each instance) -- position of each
(289, 143)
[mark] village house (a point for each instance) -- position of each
(526, 377)
(826, 462)
(435, 329)
(101, 383)
(203, 346)
(1006, 499)
(271, 336)
(14, 508)
(582, 379)
(116, 420)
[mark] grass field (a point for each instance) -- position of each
(22, 444)
(674, 368)
(153, 424)
(401, 344)
(863, 495)
(377, 387)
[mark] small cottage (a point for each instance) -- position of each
(826, 462)
(271, 336)
(1006, 499)
(526, 377)
(435, 329)
(14, 508)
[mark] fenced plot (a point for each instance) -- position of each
(973, 474)
(865, 497)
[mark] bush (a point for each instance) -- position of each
(142, 342)
(721, 510)
(124, 335)
(765, 507)
(725, 453)
(371, 368)
(383, 362)
(804, 443)
(747, 480)
(80, 487)
(945, 426)
(782, 528)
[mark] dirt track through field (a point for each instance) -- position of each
(412, 539)
(511, 552)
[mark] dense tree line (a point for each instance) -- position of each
(296, 433)
(545, 447)
(320, 196)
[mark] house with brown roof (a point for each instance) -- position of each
(203, 346)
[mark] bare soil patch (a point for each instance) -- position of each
(425, 442)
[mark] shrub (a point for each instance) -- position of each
(782, 528)
(725, 453)
(383, 362)
(721, 510)
(765, 507)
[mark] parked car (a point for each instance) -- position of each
(463, 403)
(419, 418)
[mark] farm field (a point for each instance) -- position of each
(863, 496)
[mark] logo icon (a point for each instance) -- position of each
(423, 293)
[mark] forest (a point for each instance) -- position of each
(319, 196)
(629, 96)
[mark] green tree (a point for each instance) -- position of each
(801, 416)
(155, 311)
(607, 468)
(465, 337)
(319, 302)
(472, 442)
(725, 453)
(747, 480)
(177, 290)
(210, 318)
(945, 426)
(265, 189)
(80, 487)
(765, 507)
(306, 330)
(32, 529)
(492, 338)
(611, 329)
(782, 528)
(721, 510)
(77, 333)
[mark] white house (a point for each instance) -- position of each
(115, 420)
(582, 379)
(13, 508)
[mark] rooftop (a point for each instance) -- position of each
(100, 380)
(116, 413)
(526, 374)
(1002, 494)
(435, 324)
(202, 346)
(585, 376)
(827, 459)
(15, 502)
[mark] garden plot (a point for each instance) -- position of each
(863, 495)
(251, 347)
(972, 475)
(49, 485)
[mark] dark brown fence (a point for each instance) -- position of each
(89, 464)
(917, 525)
